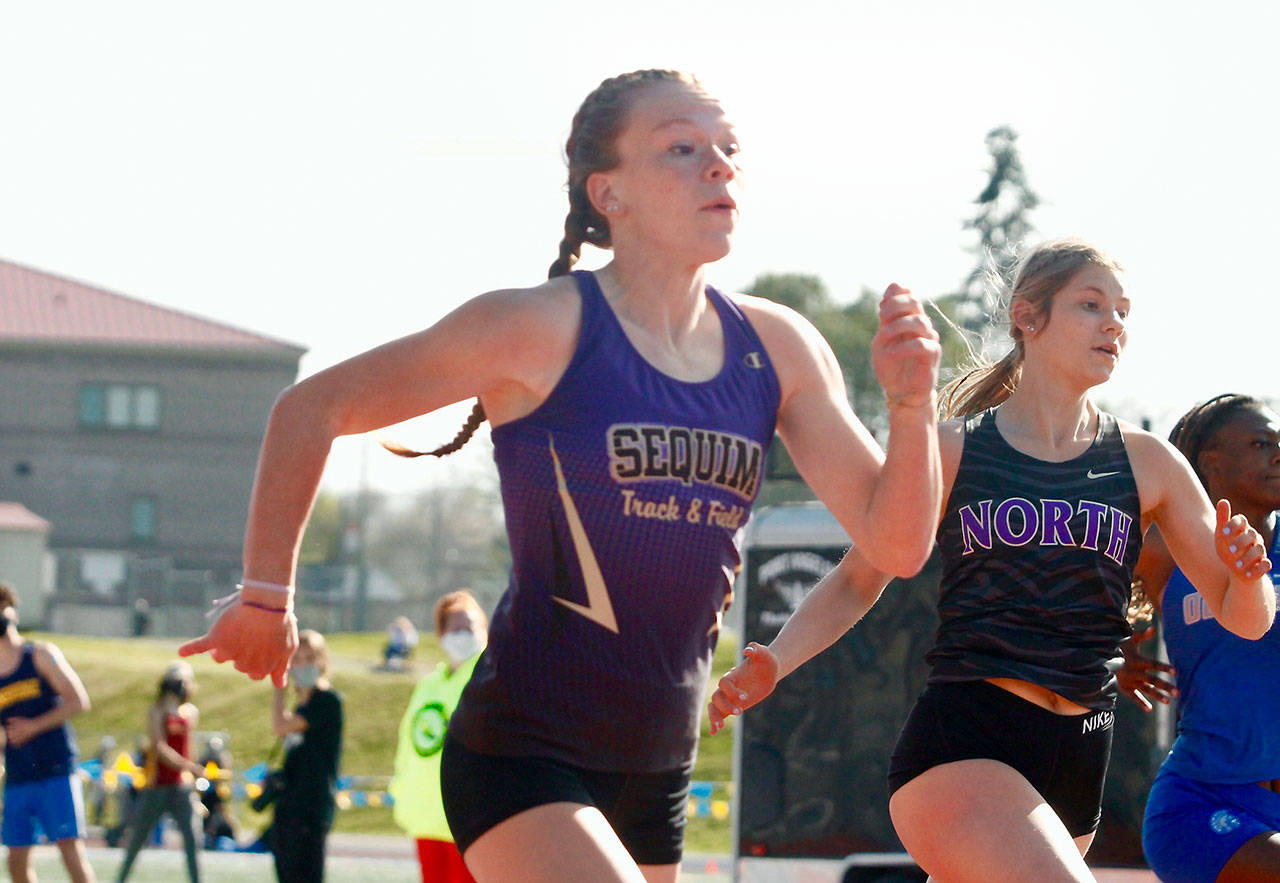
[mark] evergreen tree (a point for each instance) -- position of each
(1002, 225)
(849, 328)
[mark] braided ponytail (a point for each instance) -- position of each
(577, 229)
(464, 435)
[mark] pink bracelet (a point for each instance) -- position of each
(264, 607)
(221, 604)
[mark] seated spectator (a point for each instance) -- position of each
(402, 638)
(219, 825)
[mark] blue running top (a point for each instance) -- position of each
(1229, 694)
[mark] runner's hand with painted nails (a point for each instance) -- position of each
(1239, 545)
(747, 683)
(905, 351)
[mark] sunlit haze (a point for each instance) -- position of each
(337, 175)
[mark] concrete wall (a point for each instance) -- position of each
(24, 566)
(197, 465)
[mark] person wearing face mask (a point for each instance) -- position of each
(170, 769)
(312, 735)
(462, 629)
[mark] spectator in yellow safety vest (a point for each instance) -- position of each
(462, 629)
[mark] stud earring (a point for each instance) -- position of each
(612, 208)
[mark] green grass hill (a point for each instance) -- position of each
(121, 676)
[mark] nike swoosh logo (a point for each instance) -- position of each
(598, 608)
(1092, 474)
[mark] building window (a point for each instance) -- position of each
(93, 405)
(142, 519)
(119, 406)
(146, 407)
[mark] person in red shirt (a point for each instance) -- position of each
(170, 769)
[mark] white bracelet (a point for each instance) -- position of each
(260, 584)
(218, 605)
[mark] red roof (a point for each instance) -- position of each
(38, 307)
(15, 516)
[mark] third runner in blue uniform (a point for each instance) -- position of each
(1214, 810)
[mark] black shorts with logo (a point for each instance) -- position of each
(647, 811)
(1064, 757)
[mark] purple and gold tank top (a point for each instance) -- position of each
(625, 493)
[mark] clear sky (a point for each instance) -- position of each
(339, 174)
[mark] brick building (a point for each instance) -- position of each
(133, 429)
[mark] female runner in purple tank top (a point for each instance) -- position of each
(654, 175)
(998, 773)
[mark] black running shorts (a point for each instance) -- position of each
(1064, 757)
(647, 811)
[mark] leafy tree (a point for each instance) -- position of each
(443, 538)
(322, 541)
(848, 328)
(803, 292)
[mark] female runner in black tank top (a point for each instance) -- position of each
(1021, 647)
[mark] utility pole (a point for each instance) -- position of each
(361, 623)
